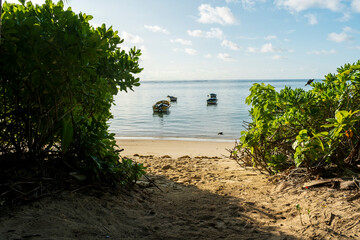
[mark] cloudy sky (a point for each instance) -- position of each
(233, 39)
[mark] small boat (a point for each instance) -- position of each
(172, 98)
(212, 99)
(161, 106)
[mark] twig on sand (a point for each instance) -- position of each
(354, 197)
(234, 158)
(353, 225)
(81, 188)
(331, 219)
(356, 182)
(152, 182)
(239, 156)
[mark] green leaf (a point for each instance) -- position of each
(96, 161)
(298, 161)
(327, 125)
(333, 120)
(67, 134)
(340, 115)
(355, 67)
(322, 134)
(320, 144)
(304, 131)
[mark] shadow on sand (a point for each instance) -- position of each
(182, 211)
(178, 211)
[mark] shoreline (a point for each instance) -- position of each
(191, 139)
(174, 148)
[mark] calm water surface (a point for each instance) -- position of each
(190, 117)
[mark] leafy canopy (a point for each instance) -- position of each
(311, 129)
(58, 76)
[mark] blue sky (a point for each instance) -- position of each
(233, 39)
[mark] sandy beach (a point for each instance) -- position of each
(192, 190)
(174, 148)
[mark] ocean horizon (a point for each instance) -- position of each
(190, 118)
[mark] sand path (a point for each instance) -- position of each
(202, 196)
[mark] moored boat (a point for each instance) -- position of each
(161, 106)
(212, 99)
(172, 98)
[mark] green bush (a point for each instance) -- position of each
(311, 129)
(58, 76)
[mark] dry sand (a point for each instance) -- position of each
(204, 195)
(174, 148)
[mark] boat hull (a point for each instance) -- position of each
(172, 98)
(161, 106)
(211, 101)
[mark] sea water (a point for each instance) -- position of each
(190, 117)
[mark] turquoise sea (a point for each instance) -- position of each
(190, 117)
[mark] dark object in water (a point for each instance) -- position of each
(161, 106)
(212, 99)
(308, 82)
(172, 98)
(220, 133)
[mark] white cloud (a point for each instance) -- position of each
(181, 41)
(322, 52)
(129, 38)
(196, 33)
(301, 5)
(278, 57)
(208, 55)
(213, 33)
(156, 28)
(221, 15)
(268, 47)
(225, 57)
(350, 30)
(248, 4)
(270, 37)
(251, 49)
(311, 18)
(230, 44)
(355, 5)
(346, 17)
(339, 37)
(231, 1)
(144, 53)
(190, 51)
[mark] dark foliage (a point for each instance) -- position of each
(58, 76)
